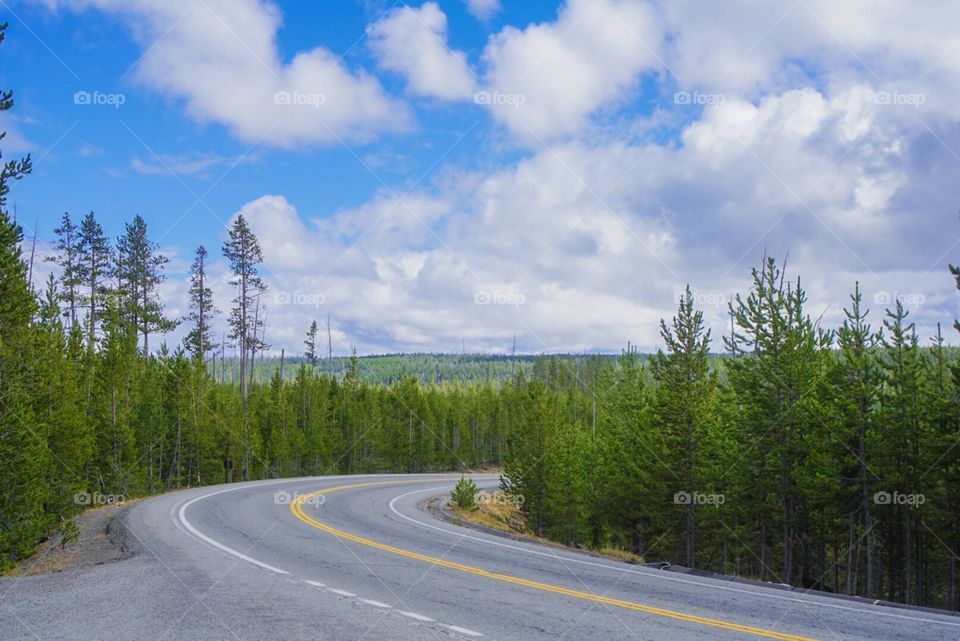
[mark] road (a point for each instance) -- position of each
(357, 558)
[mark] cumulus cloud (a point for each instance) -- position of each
(221, 58)
(586, 246)
(413, 42)
(556, 79)
(483, 9)
(749, 49)
(544, 81)
(804, 132)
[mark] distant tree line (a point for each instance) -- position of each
(429, 369)
(826, 458)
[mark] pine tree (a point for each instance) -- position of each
(464, 494)
(856, 382)
(682, 402)
(115, 402)
(905, 435)
(942, 398)
(311, 344)
(955, 271)
(202, 310)
(139, 272)
(96, 260)
(524, 470)
(58, 409)
(243, 252)
(12, 169)
(68, 259)
(632, 496)
(23, 454)
(774, 383)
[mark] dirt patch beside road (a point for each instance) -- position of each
(98, 540)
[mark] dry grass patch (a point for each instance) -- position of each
(506, 517)
(621, 554)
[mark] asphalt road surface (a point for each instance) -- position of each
(357, 558)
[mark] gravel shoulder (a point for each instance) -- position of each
(100, 539)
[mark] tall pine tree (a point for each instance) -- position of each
(199, 340)
(23, 454)
(68, 260)
(139, 274)
(243, 252)
(682, 402)
(95, 271)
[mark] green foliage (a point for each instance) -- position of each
(768, 462)
(198, 340)
(464, 494)
(68, 259)
(139, 272)
(682, 407)
(94, 272)
(69, 532)
(24, 458)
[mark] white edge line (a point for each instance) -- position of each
(376, 604)
(315, 584)
(181, 515)
(654, 574)
(414, 615)
(341, 592)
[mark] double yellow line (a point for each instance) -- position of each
(296, 507)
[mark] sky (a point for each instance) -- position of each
(446, 175)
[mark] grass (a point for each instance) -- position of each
(621, 554)
(505, 518)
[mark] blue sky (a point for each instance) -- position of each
(454, 172)
(90, 152)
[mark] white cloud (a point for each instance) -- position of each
(413, 42)
(585, 246)
(195, 164)
(743, 48)
(483, 9)
(220, 57)
(805, 150)
(557, 79)
(543, 82)
(15, 142)
(88, 150)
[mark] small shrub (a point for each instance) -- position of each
(464, 494)
(69, 532)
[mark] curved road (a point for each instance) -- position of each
(357, 558)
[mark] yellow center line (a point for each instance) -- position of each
(296, 507)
